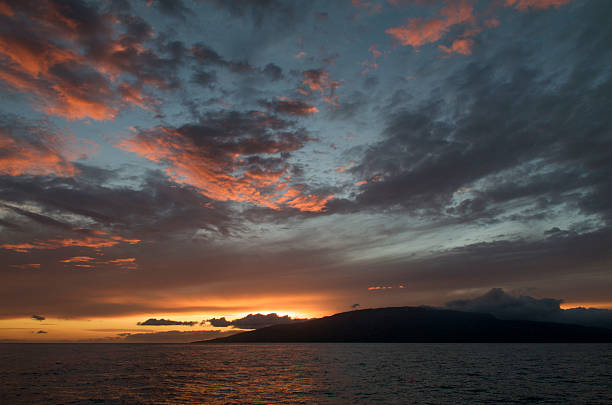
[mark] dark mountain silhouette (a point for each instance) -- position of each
(418, 324)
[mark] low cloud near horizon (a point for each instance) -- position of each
(172, 336)
(165, 322)
(506, 306)
(254, 321)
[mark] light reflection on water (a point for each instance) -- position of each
(305, 373)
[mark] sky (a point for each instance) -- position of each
(168, 168)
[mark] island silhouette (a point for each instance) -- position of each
(418, 324)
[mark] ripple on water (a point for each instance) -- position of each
(305, 373)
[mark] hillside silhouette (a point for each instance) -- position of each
(418, 324)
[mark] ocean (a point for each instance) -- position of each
(335, 373)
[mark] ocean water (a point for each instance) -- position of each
(306, 373)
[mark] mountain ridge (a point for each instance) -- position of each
(417, 324)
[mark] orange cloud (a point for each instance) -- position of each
(319, 80)
(6, 10)
(419, 32)
(344, 168)
(491, 23)
(34, 151)
(46, 51)
(293, 107)
(77, 259)
(100, 241)
(525, 5)
(26, 266)
(295, 199)
(228, 167)
(89, 262)
(371, 64)
(462, 46)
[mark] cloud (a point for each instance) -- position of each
(77, 259)
(32, 149)
(90, 262)
(38, 317)
(273, 72)
(26, 266)
(172, 336)
(219, 322)
(453, 169)
(257, 11)
(176, 336)
(205, 79)
(506, 306)
(462, 46)
(371, 8)
(254, 321)
(41, 332)
(419, 32)
(292, 107)
(526, 5)
(319, 80)
(223, 156)
(95, 239)
(172, 8)
(354, 306)
(74, 59)
(165, 322)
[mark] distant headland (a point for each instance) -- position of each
(418, 324)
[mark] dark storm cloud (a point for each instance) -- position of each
(506, 306)
(500, 135)
(165, 322)
(38, 317)
(254, 321)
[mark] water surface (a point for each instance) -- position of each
(334, 373)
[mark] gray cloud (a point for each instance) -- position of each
(160, 322)
(38, 317)
(497, 143)
(254, 321)
(219, 322)
(505, 306)
(173, 336)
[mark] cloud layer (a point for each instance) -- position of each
(506, 306)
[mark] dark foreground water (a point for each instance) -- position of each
(306, 373)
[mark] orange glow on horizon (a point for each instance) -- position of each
(595, 304)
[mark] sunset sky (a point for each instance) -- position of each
(205, 159)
